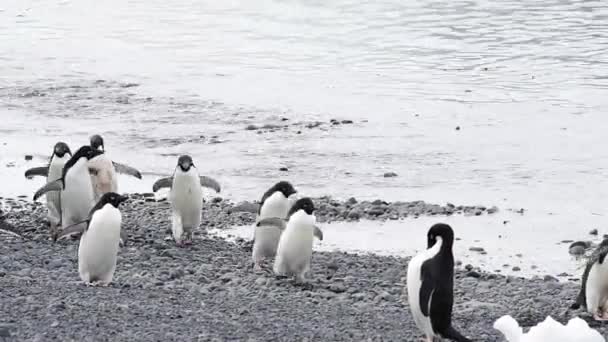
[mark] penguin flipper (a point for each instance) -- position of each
(318, 233)
(166, 182)
(210, 183)
(72, 229)
(426, 288)
(273, 221)
(126, 169)
(56, 185)
(37, 171)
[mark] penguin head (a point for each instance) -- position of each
(440, 230)
(86, 151)
(97, 142)
(111, 198)
(602, 251)
(283, 187)
(305, 204)
(185, 163)
(61, 149)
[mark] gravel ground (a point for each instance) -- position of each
(209, 292)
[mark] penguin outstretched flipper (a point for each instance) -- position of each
(78, 227)
(126, 169)
(56, 185)
(210, 183)
(37, 171)
(166, 182)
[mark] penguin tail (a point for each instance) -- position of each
(454, 335)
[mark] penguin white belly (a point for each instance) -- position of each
(266, 237)
(414, 283)
(77, 198)
(275, 206)
(187, 202)
(295, 246)
(53, 198)
(104, 179)
(596, 290)
(99, 246)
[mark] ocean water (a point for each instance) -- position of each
(526, 83)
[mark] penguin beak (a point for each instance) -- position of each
(185, 166)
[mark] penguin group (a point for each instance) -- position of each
(82, 198)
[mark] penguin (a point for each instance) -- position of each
(274, 203)
(75, 187)
(61, 154)
(103, 170)
(430, 286)
(295, 244)
(593, 295)
(186, 197)
(99, 241)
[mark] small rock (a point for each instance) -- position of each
(337, 288)
(283, 169)
(390, 175)
(354, 214)
(578, 248)
(473, 274)
(29, 157)
(492, 210)
(352, 201)
(516, 269)
(251, 128)
(347, 122)
(261, 281)
(477, 249)
(594, 232)
(458, 128)
(550, 278)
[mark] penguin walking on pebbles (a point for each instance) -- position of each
(75, 187)
(99, 242)
(430, 286)
(61, 155)
(275, 203)
(186, 198)
(295, 245)
(103, 170)
(593, 294)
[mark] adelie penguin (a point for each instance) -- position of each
(593, 295)
(100, 238)
(275, 203)
(74, 186)
(61, 155)
(103, 170)
(186, 198)
(430, 286)
(295, 245)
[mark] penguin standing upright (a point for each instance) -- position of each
(61, 154)
(593, 295)
(430, 286)
(275, 203)
(100, 240)
(103, 170)
(295, 245)
(186, 198)
(77, 197)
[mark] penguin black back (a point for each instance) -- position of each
(437, 286)
(283, 186)
(305, 204)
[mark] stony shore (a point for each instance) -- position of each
(209, 292)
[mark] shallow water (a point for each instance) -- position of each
(527, 83)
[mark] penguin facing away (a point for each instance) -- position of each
(593, 295)
(61, 154)
(100, 238)
(103, 170)
(266, 237)
(75, 187)
(186, 197)
(295, 245)
(430, 286)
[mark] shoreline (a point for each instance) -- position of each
(209, 292)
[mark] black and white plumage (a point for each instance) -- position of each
(274, 203)
(430, 286)
(99, 243)
(103, 170)
(61, 155)
(593, 295)
(75, 187)
(186, 197)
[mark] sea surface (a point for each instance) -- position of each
(472, 102)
